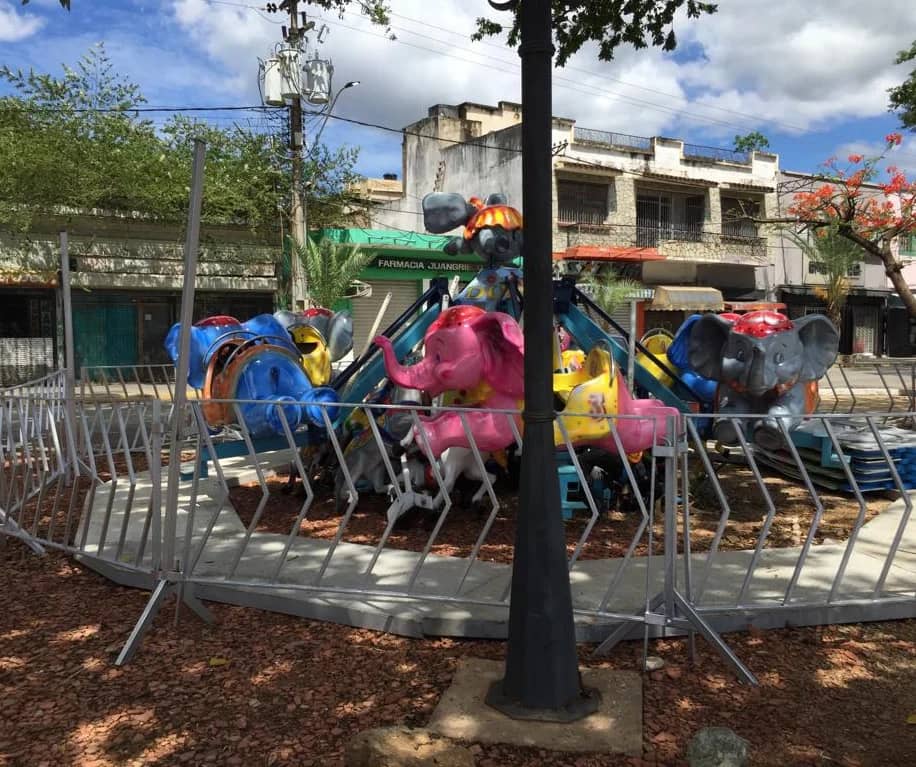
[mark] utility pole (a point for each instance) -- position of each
(298, 281)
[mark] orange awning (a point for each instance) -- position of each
(607, 253)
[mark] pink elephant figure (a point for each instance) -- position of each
(640, 434)
(478, 356)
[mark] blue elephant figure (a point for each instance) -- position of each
(257, 364)
(766, 365)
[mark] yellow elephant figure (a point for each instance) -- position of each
(315, 356)
(657, 341)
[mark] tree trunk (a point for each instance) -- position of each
(892, 267)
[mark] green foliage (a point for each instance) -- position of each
(610, 23)
(63, 3)
(903, 97)
(751, 142)
(330, 268)
(76, 141)
(835, 256)
(610, 291)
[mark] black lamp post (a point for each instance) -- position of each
(542, 673)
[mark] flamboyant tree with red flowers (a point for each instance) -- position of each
(867, 206)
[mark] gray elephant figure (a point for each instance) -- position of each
(365, 462)
(766, 365)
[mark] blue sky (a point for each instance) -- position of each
(814, 84)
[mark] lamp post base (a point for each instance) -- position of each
(585, 704)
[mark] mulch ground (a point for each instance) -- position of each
(610, 537)
(265, 689)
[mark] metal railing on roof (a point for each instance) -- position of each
(717, 153)
(626, 140)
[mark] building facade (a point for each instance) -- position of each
(656, 209)
(875, 322)
(126, 275)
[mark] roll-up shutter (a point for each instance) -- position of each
(365, 310)
(621, 315)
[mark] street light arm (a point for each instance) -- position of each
(351, 84)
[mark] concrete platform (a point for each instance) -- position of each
(362, 586)
(615, 728)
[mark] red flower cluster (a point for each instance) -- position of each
(875, 214)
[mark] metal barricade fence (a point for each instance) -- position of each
(126, 381)
(829, 509)
(348, 543)
(869, 387)
(811, 525)
(77, 471)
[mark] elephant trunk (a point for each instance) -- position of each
(758, 382)
(417, 376)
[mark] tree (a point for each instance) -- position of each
(77, 141)
(834, 256)
(63, 3)
(872, 218)
(903, 97)
(751, 142)
(332, 268)
(609, 23)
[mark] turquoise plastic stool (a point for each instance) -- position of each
(569, 484)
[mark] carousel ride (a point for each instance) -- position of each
(463, 356)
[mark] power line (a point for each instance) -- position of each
(609, 78)
(572, 85)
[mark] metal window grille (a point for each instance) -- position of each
(582, 203)
(733, 225)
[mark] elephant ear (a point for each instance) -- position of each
(340, 335)
(444, 211)
(821, 342)
(706, 345)
(503, 348)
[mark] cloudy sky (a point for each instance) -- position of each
(812, 77)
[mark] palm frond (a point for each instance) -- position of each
(609, 292)
(330, 269)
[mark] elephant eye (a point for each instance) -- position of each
(740, 355)
(778, 359)
(438, 357)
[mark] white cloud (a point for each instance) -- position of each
(16, 25)
(800, 65)
(903, 157)
(758, 64)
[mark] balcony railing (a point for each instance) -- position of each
(686, 243)
(624, 140)
(740, 230)
(716, 153)
(648, 235)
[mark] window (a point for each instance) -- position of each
(733, 223)
(653, 220)
(818, 267)
(908, 244)
(694, 213)
(582, 203)
(668, 217)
